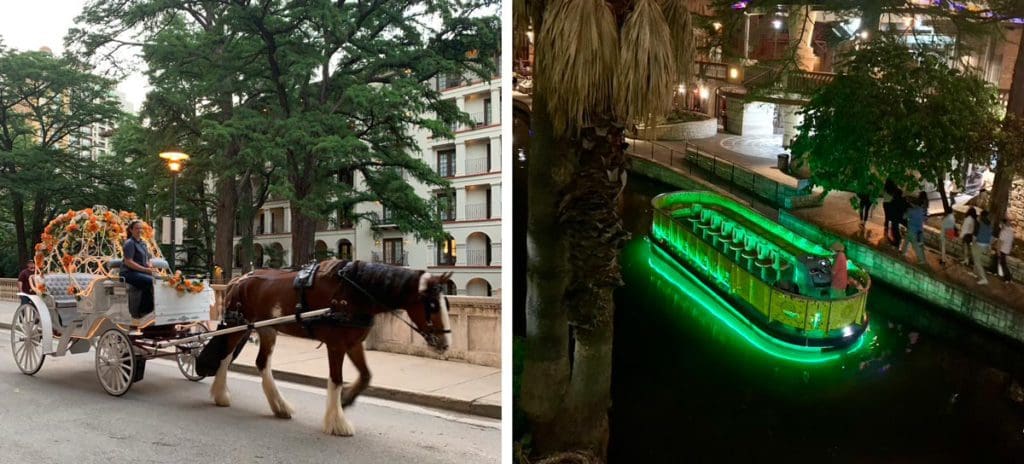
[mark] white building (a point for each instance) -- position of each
(471, 161)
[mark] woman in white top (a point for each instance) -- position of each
(967, 234)
(948, 232)
(1005, 246)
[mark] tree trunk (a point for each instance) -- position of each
(18, 208)
(1005, 172)
(940, 185)
(303, 229)
(545, 377)
(38, 221)
(246, 214)
(227, 207)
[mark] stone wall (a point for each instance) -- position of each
(1015, 210)
(754, 118)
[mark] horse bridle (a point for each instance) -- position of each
(429, 302)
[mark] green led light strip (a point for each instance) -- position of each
(751, 333)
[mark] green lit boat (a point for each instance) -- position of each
(778, 280)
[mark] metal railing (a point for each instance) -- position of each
(399, 260)
(695, 161)
(712, 70)
(476, 211)
(477, 258)
(477, 165)
(446, 260)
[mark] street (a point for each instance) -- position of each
(63, 415)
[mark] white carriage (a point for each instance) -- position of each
(57, 323)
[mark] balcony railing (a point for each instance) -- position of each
(476, 211)
(399, 260)
(477, 258)
(477, 165)
(445, 260)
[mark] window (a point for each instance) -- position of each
(446, 163)
(487, 111)
(393, 251)
(446, 252)
(387, 216)
(446, 206)
(345, 219)
(346, 177)
(345, 250)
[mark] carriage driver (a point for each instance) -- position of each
(135, 268)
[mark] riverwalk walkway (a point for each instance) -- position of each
(455, 386)
(835, 215)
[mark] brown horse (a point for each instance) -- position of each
(356, 291)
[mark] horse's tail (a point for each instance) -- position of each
(217, 349)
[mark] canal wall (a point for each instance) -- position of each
(913, 279)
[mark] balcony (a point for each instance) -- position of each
(477, 165)
(476, 211)
(394, 260)
(477, 258)
(445, 260)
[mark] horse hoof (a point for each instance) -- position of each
(339, 427)
(222, 400)
(284, 410)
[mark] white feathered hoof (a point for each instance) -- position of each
(338, 426)
(282, 409)
(221, 398)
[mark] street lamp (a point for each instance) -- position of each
(175, 162)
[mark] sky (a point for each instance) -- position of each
(30, 25)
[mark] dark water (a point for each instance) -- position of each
(688, 386)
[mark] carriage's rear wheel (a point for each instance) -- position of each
(115, 362)
(188, 352)
(27, 339)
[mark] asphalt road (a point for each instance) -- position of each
(62, 414)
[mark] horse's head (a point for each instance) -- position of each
(430, 311)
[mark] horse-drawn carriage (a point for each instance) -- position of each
(82, 303)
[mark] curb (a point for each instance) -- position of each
(492, 411)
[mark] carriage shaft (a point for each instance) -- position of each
(240, 328)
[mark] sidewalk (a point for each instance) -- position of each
(454, 386)
(837, 213)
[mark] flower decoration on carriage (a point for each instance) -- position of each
(183, 285)
(81, 243)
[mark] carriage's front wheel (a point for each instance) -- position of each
(27, 339)
(188, 352)
(115, 362)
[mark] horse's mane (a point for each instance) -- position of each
(389, 285)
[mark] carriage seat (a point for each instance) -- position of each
(115, 264)
(57, 286)
(306, 275)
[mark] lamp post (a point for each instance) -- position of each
(175, 162)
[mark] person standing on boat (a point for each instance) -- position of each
(840, 275)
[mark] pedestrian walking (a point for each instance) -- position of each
(949, 232)
(1005, 246)
(915, 227)
(899, 209)
(982, 245)
(25, 281)
(887, 190)
(967, 235)
(865, 202)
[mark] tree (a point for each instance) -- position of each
(333, 86)
(589, 88)
(44, 103)
(896, 113)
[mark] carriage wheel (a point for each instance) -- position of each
(27, 339)
(115, 362)
(188, 352)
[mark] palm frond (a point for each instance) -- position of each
(647, 73)
(575, 57)
(684, 44)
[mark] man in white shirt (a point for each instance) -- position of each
(1005, 246)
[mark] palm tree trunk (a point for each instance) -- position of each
(546, 354)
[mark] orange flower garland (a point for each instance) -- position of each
(182, 285)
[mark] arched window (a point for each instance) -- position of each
(345, 249)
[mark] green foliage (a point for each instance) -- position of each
(895, 113)
(296, 92)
